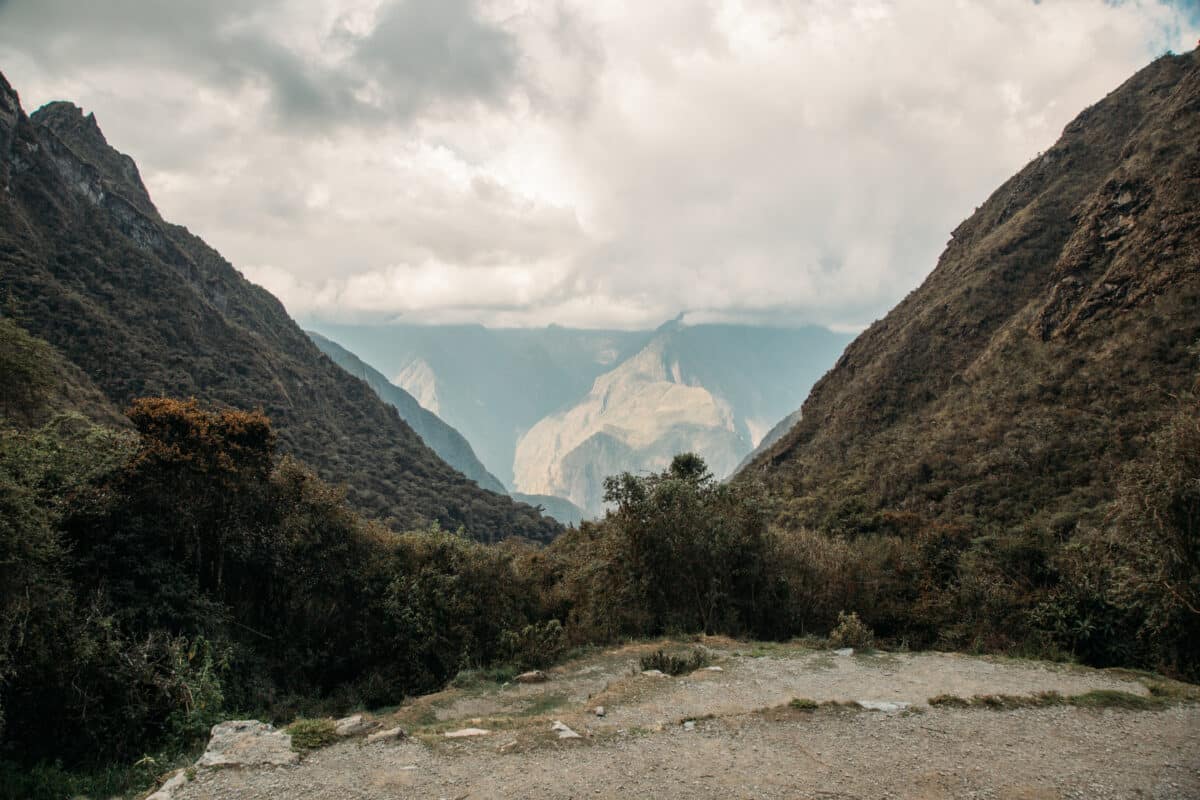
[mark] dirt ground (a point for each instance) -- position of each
(731, 733)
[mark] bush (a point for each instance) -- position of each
(312, 734)
(676, 665)
(534, 646)
(851, 632)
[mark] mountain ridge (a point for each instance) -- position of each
(1041, 352)
(145, 308)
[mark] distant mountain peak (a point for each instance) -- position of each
(673, 324)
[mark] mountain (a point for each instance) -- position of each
(448, 443)
(490, 384)
(1059, 329)
(559, 508)
(143, 307)
(711, 389)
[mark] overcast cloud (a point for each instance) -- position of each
(584, 162)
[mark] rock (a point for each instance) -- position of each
(386, 736)
(247, 743)
(845, 651)
(353, 725)
(563, 731)
(465, 733)
(598, 711)
(653, 673)
(167, 790)
(713, 669)
(533, 676)
(886, 706)
(689, 725)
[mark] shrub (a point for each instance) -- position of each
(851, 632)
(674, 664)
(534, 646)
(312, 734)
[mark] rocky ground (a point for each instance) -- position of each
(732, 733)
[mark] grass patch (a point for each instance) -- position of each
(478, 678)
(1110, 698)
(803, 704)
(543, 705)
(674, 664)
(1097, 698)
(312, 734)
(1174, 691)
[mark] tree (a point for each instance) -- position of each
(697, 548)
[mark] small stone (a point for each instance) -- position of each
(353, 725)
(386, 736)
(598, 711)
(563, 731)
(713, 669)
(844, 651)
(653, 673)
(689, 725)
(533, 676)
(465, 733)
(886, 706)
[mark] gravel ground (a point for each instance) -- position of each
(750, 748)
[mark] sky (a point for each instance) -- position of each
(589, 163)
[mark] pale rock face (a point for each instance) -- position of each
(247, 743)
(637, 417)
(419, 380)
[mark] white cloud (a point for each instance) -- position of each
(586, 163)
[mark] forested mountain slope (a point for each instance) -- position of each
(448, 443)
(1059, 330)
(143, 307)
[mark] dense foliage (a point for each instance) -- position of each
(157, 580)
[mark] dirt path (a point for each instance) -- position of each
(744, 741)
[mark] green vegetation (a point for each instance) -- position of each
(803, 704)
(674, 664)
(1097, 698)
(850, 631)
(312, 734)
(157, 582)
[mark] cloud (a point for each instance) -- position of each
(610, 163)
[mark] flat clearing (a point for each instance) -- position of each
(731, 733)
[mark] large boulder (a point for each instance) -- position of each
(247, 743)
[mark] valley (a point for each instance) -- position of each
(356, 547)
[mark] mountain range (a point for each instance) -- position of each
(554, 411)
(143, 307)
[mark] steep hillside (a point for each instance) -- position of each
(37, 383)
(1059, 329)
(448, 443)
(491, 385)
(709, 389)
(143, 307)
